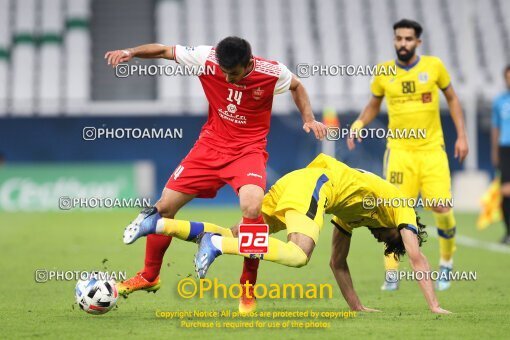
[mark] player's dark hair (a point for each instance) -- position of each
(233, 51)
(406, 23)
(397, 247)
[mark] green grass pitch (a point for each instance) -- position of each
(81, 240)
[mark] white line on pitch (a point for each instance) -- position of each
(474, 243)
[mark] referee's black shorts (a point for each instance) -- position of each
(504, 163)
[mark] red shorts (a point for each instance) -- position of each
(205, 170)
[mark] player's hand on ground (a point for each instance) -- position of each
(365, 309)
(319, 129)
(461, 148)
(118, 56)
(369, 310)
(439, 310)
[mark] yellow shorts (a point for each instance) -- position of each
(303, 191)
(424, 172)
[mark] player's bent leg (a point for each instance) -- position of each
(435, 190)
(169, 204)
(148, 278)
(289, 254)
(211, 246)
(445, 221)
(302, 230)
(145, 223)
(250, 202)
(302, 236)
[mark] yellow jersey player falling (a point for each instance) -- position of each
(297, 203)
(417, 164)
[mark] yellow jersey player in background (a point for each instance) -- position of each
(417, 165)
(297, 203)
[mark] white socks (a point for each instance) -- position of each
(216, 241)
(448, 264)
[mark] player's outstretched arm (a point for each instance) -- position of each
(366, 117)
(419, 263)
(338, 264)
(461, 145)
(144, 51)
(302, 101)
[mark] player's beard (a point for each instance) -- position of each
(406, 56)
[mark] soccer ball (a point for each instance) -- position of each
(96, 296)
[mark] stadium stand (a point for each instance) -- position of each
(49, 44)
(5, 37)
(49, 84)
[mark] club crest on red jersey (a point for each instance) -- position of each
(257, 93)
(231, 108)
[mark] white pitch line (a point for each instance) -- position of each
(474, 243)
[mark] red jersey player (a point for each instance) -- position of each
(231, 148)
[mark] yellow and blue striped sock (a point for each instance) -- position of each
(446, 227)
(187, 230)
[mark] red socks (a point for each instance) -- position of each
(250, 266)
(154, 252)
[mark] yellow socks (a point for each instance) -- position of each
(446, 230)
(188, 231)
(390, 263)
(288, 254)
